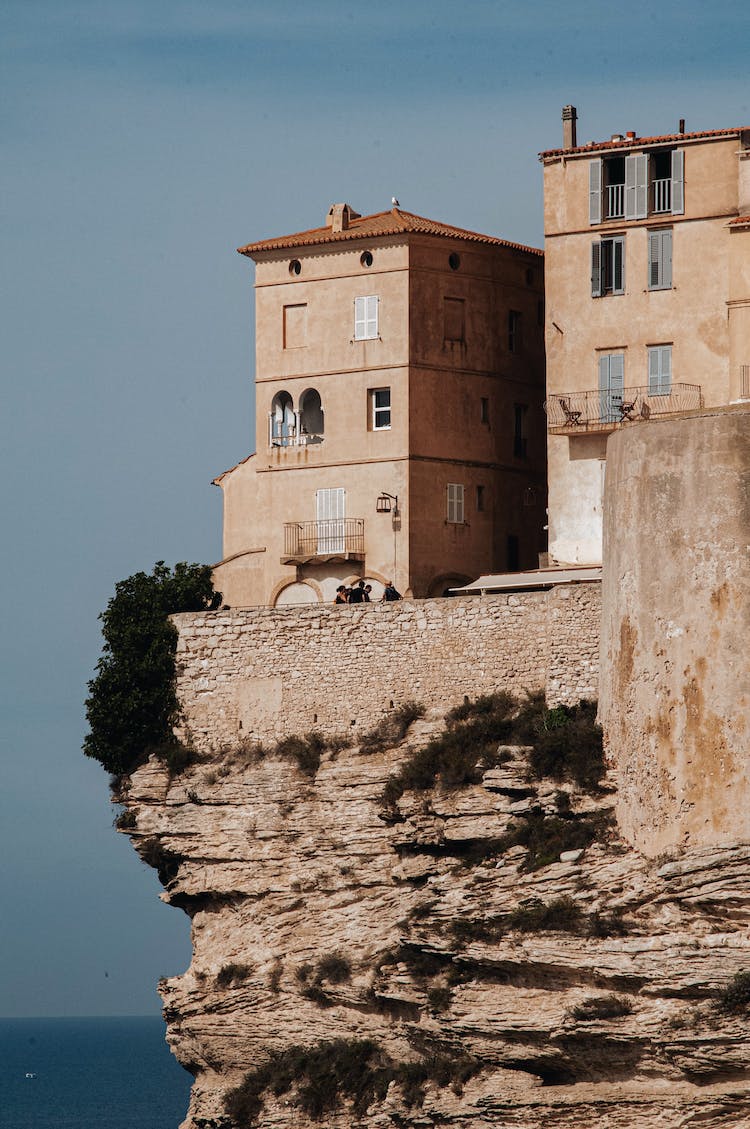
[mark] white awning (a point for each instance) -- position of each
(535, 578)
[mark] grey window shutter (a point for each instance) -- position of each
(654, 375)
(616, 375)
(605, 406)
(678, 182)
(666, 369)
(630, 188)
(666, 259)
(596, 270)
(618, 265)
(641, 186)
(636, 186)
(595, 191)
(654, 258)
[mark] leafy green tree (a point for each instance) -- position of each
(133, 705)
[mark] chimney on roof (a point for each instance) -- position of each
(630, 135)
(682, 125)
(569, 118)
(340, 216)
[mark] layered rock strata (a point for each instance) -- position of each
(319, 915)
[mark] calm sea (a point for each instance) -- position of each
(89, 1074)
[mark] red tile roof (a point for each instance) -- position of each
(639, 142)
(217, 481)
(394, 222)
(741, 221)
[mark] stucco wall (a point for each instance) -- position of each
(266, 672)
(675, 689)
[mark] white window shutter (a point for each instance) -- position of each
(596, 270)
(459, 502)
(678, 182)
(604, 374)
(371, 316)
(666, 369)
(605, 404)
(365, 317)
(653, 372)
(595, 190)
(630, 188)
(455, 503)
(331, 503)
(360, 318)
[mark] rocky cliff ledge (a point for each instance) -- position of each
(415, 963)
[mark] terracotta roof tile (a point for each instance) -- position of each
(393, 222)
(639, 142)
(741, 221)
(217, 481)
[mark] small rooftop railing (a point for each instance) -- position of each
(598, 410)
(334, 537)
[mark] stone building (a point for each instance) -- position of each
(400, 429)
(647, 252)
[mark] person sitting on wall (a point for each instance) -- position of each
(357, 594)
(340, 595)
(368, 593)
(390, 593)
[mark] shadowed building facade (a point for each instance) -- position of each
(400, 429)
(647, 252)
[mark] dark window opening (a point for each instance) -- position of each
(480, 499)
(519, 430)
(614, 187)
(454, 261)
(295, 266)
(514, 331)
(514, 555)
(484, 409)
(608, 267)
(366, 258)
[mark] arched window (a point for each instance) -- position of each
(311, 420)
(283, 423)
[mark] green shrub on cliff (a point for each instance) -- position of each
(132, 705)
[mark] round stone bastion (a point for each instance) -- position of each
(675, 658)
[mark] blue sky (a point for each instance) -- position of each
(142, 143)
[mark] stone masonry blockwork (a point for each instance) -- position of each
(263, 673)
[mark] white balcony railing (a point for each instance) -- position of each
(615, 201)
(663, 195)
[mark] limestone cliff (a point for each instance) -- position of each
(321, 917)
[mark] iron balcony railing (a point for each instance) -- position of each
(600, 410)
(344, 535)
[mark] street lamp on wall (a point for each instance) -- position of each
(387, 503)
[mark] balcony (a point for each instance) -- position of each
(290, 438)
(335, 539)
(573, 413)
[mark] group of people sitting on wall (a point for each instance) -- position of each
(360, 593)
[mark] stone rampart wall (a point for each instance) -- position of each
(268, 672)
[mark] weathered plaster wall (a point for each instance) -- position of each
(675, 688)
(267, 672)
